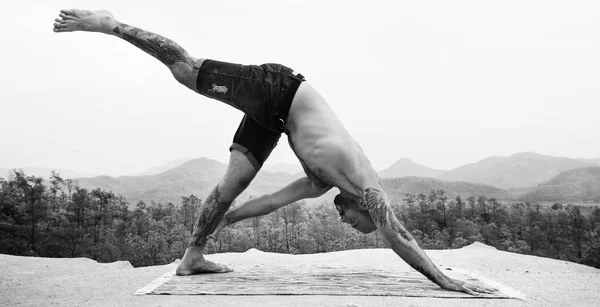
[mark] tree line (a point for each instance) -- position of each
(57, 218)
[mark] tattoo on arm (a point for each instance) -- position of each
(427, 273)
(210, 217)
(382, 213)
(163, 49)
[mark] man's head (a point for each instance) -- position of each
(353, 212)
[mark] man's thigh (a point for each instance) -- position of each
(255, 141)
(252, 145)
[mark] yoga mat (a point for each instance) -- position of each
(315, 280)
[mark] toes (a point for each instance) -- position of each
(225, 269)
(66, 17)
(62, 27)
(68, 12)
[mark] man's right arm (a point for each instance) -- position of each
(265, 204)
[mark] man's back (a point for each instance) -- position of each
(321, 141)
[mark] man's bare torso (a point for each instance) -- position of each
(321, 141)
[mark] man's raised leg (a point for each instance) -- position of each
(238, 176)
(183, 66)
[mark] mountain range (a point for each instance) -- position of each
(197, 177)
(520, 170)
(45, 172)
(591, 161)
(405, 167)
(165, 167)
(576, 184)
(522, 176)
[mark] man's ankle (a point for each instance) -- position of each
(194, 252)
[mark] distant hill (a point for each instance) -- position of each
(45, 172)
(516, 171)
(592, 161)
(397, 188)
(582, 184)
(198, 177)
(290, 168)
(405, 167)
(165, 167)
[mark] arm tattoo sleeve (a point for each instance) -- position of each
(382, 213)
(163, 49)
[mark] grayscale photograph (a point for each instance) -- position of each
(300, 153)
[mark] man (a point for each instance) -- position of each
(275, 100)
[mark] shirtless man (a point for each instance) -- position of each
(275, 100)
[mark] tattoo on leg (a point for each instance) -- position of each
(382, 213)
(212, 212)
(164, 49)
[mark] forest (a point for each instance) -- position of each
(55, 217)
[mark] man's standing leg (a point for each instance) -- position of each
(238, 176)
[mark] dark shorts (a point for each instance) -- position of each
(263, 92)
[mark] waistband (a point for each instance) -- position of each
(288, 97)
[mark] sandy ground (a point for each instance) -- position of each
(83, 282)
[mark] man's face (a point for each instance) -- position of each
(359, 220)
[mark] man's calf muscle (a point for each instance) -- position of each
(210, 216)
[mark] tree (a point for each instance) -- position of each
(460, 204)
(482, 202)
(577, 225)
(557, 206)
(190, 205)
(31, 190)
(442, 201)
(53, 211)
(473, 210)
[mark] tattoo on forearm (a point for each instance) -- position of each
(382, 213)
(164, 49)
(397, 227)
(426, 273)
(210, 217)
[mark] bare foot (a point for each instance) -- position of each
(83, 20)
(193, 262)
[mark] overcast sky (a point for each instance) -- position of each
(443, 83)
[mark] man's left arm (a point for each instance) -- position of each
(265, 204)
(405, 246)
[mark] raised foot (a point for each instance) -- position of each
(84, 20)
(201, 267)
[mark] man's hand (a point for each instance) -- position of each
(470, 288)
(224, 222)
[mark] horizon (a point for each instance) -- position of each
(442, 84)
(90, 174)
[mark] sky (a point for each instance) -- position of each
(443, 83)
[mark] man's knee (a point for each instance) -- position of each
(240, 173)
(231, 187)
(185, 74)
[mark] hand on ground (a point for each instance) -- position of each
(466, 287)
